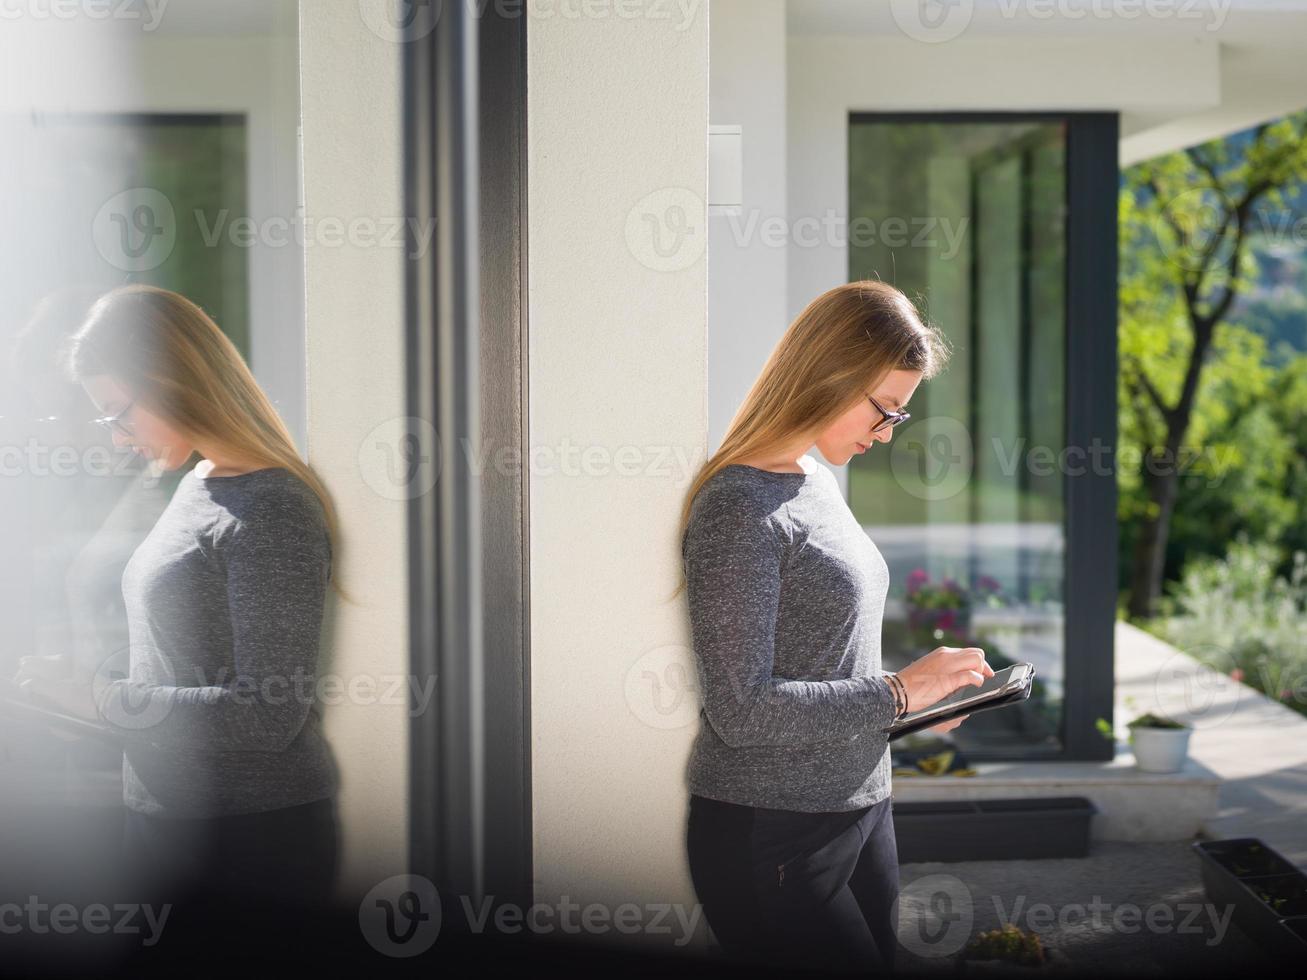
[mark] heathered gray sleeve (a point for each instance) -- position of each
(733, 562)
(277, 559)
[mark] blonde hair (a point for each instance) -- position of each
(819, 369)
(180, 365)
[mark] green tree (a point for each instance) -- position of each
(1186, 221)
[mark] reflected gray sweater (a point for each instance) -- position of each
(218, 705)
(786, 595)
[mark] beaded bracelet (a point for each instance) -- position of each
(900, 695)
(903, 693)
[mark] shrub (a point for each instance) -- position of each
(1237, 616)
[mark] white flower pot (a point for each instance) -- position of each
(1160, 749)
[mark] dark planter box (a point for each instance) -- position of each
(1268, 892)
(993, 830)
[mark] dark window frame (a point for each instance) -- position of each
(464, 89)
(1090, 421)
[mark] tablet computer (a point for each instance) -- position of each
(1007, 686)
(16, 705)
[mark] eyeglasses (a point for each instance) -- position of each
(887, 418)
(115, 423)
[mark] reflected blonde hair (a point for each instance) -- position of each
(844, 344)
(180, 365)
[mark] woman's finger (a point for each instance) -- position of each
(964, 677)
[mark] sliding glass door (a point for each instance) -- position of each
(970, 505)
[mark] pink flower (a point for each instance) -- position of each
(1237, 674)
(947, 620)
(917, 578)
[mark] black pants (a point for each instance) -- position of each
(221, 869)
(785, 888)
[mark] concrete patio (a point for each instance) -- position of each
(1246, 775)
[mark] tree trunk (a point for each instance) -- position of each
(1149, 558)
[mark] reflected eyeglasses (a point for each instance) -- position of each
(887, 418)
(115, 423)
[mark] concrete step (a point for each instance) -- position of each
(1132, 805)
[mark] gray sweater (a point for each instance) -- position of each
(224, 598)
(786, 595)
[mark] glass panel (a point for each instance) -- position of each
(966, 502)
(106, 199)
(146, 147)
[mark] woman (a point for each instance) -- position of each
(228, 780)
(790, 833)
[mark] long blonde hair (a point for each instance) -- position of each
(819, 369)
(180, 365)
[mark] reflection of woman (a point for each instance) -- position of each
(790, 835)
(228, 780)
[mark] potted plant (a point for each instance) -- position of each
(938, 612)
(1160, 744)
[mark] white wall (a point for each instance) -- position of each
(352, 158)
(747, 310)
(617, 111)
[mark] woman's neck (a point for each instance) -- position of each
(223, 466)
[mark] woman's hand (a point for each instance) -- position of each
(948, 726)
(53, 668)
(40, 680)
(941, 672)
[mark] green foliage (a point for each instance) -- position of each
(1011, 943)
(1238, 616)
(1152, 720)
(1188, 251)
